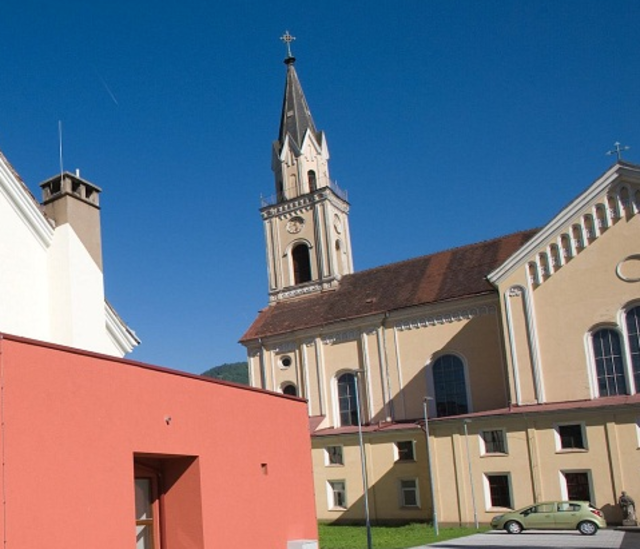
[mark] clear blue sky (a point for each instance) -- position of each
(448, 123)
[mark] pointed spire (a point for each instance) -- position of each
(296, 117)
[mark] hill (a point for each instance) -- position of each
(233, 371)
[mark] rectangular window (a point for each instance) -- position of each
(409, 496)
(577, 486)
(337, 494)
(493, 442)
(333, 455)
(571, 437)
(498, 490)
(405, 450)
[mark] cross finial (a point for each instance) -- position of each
(287, 39)
(617, 150)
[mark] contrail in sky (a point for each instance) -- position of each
(106, 87)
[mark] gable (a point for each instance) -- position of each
(23, 203)
(613, 196)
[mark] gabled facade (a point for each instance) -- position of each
(521, 352)
(51, 280)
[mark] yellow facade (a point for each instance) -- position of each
(530, 373)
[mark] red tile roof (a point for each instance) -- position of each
(450, 274)
(524, 410)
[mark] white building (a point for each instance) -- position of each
(51, 280)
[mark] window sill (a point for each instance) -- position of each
(338, 509)
(494, 454)
(572, 451)
(405, 461)
(331, 465)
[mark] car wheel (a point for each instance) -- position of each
(587, 528)
(513, 527)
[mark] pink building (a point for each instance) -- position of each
(107, 453)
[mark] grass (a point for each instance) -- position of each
(386, 537)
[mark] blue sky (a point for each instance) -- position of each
(448, 123)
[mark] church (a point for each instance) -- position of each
(459, 384)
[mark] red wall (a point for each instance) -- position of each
(73, 421)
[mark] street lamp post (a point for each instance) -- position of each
(363, 462)
(431, 479)
(473, 494)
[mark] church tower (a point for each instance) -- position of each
(306, 222)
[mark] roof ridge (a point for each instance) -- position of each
(446, 250)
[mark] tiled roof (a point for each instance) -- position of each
(450, 274)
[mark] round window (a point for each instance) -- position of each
(285, 361)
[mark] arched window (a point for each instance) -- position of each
(311, 177)
(601, 218)
(614, 212)
(301, 264)
(556, 259)
(607, 352)
(450, 386)
(290, 389)
(578, 240)
(565, 244)
(534, 276)
(347, 400)
(633, 331)
(589, 228)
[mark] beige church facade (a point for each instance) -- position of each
(523, 352)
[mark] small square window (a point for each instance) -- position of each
(405, 451)
(499, 490)
(409, 496)
(333, 455)
(337, 494)
(493, 442)
(571, 437)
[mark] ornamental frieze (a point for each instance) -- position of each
(436, 320)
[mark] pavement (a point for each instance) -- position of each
(544, 539)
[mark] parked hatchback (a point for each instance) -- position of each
(554, 515)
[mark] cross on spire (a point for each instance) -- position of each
(287, 39)
(617, 150)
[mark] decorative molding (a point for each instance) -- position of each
(616, 178)
(120, 334)
(515, 291)
(341, 337)
(619, 266)
(448, 318)
(287, 347)
(25, 205)
(300, 291)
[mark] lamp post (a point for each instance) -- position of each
(431, 479)
(473, 494)
(363, 461)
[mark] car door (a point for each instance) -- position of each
(567, 516)
(540, 516)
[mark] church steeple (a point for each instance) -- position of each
(306, 225)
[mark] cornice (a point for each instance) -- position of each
(120, 334)
(25, 206)
(619, 172)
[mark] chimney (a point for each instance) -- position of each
(67, 198)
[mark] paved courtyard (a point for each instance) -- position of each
(532, 539)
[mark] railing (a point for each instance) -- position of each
(280, 197)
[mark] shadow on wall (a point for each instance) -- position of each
(479, 344)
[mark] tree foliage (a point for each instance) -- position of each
(230, 371)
